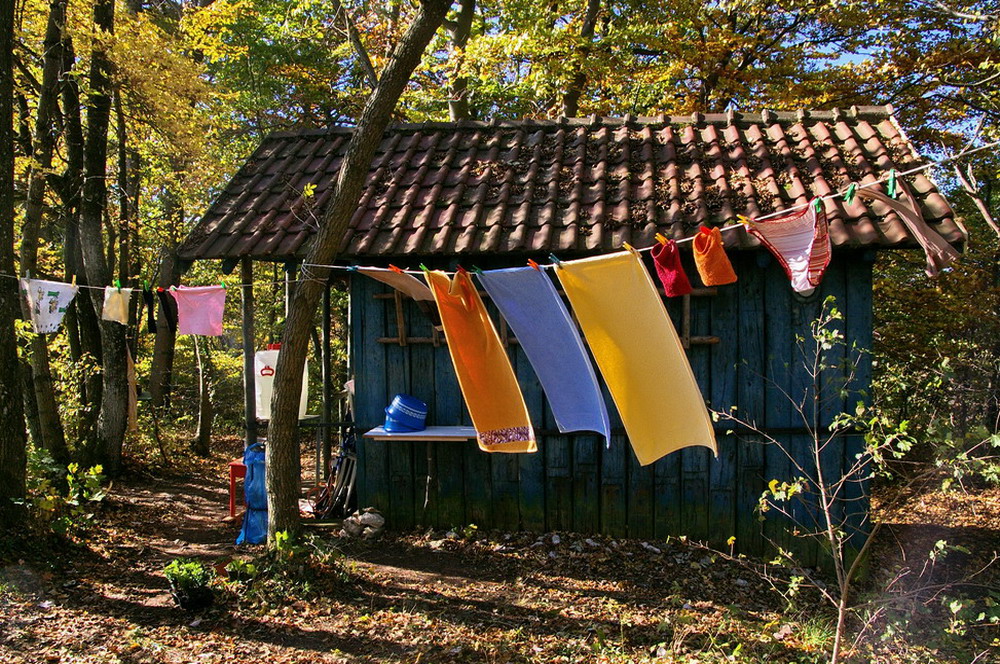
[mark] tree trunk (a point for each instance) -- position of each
(70, 187)
(162, 369)
(50, 426)
(206, 407)
(458, 102)
(283, 471)
(12, 438)
(113, 418)
(571, 100)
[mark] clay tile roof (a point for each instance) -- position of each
(571, 186)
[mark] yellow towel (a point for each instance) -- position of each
(639, 354)
(484, 373)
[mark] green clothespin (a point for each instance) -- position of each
(223, 283)
(424, 268)
(476, 270)
(145, 285)
(555, 261)
(118, 284)
(849, 194)
(818, 205)
(891, 188)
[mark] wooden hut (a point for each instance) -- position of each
(496, 194)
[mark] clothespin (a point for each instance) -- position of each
(145, 285)
(222, 282)
(743, 219)
(555, 261)
(118, 285)
(534, 265)
(661, 238)
(817, 205)
(849, 194)
(424, 268)
(891, 185)
(705, 229)
(460, 270)
(27, 273)
(352, 268)
(74, 280)
(626, 245)
(395, 269)
(476, 270)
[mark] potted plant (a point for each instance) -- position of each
(189, 581)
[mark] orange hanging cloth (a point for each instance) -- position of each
(710, 258)
(485, 376)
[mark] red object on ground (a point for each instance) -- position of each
(236, 470)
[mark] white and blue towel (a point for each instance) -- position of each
(529, 302)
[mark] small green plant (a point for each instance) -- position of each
(242, 571)
(63, 500)
(189, 583)
(186, 574)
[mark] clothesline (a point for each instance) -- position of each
(224, 285)
(801, 206)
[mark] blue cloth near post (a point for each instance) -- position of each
(529, 302)
(254, 530)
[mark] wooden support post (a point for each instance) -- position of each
(290, 276)
(249, 384)
(327, 362)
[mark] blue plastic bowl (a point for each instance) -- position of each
(405, 413)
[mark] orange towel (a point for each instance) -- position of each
(710, 258)
(485, 376)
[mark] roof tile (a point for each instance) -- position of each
(575, 186)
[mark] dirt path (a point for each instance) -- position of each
(497, 599)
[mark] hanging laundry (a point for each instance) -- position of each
(408, 285)
(401, 281)
(168, 308)
(485, 375)
(149, 301)
(529, 302)
(667, 260)
(47, 302)
(938, 253)
(710, 258)
(116, 301)
(800, 240)
(200, 309)
(639, 354)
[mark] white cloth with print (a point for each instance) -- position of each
(47, 302)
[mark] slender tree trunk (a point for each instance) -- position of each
(70, 192)
(50, 425)
(571, 100)
(283, 472)
(161, 372)
(458, 102)
(12, 436)
(206, 406)
(113, 418)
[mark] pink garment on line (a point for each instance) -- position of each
(199, 309)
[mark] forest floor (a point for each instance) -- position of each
(475, 597)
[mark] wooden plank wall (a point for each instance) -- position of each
(577, 483)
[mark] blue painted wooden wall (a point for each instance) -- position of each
(574, 482)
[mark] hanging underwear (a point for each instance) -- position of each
(639, 354)
(800, 240)
(485, 375)
(710, 258)
(938, 253)
(667, 260)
